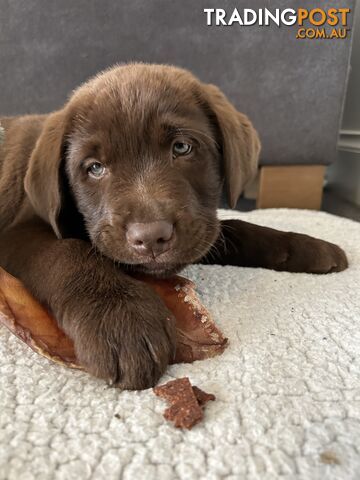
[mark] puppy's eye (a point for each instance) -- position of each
(181, 149)
(96, 170)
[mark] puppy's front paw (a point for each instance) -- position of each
(127, 341)
(301, 253)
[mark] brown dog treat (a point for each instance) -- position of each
(184, 415)
(203, 397)
(186, 402)
(27, 319)
(197, 336)
(184, 409)
(175, 390)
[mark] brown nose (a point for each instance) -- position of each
(150, 238)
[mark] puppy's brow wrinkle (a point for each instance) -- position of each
(199, 133)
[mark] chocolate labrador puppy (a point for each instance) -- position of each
(127, 177)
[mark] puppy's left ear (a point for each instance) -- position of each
(239, 141)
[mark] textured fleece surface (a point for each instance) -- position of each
(287, 387)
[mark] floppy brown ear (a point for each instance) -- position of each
(42, 180)
(239, 141)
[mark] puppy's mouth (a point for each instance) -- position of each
(155, 269)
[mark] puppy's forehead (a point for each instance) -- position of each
(138, 96)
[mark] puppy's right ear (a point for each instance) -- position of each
(43, 183)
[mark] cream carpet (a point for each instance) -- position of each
(287, 387)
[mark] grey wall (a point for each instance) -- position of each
(344, 174)
(351, 119)
(292, 89)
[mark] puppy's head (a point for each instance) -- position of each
(135, 162)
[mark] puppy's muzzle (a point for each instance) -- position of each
(150, 239)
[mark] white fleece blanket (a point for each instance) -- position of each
(287, 387)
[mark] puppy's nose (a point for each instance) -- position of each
(150, 238)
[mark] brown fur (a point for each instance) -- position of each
(64, 233)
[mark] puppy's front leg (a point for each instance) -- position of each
(244, 244)
(122, 331)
